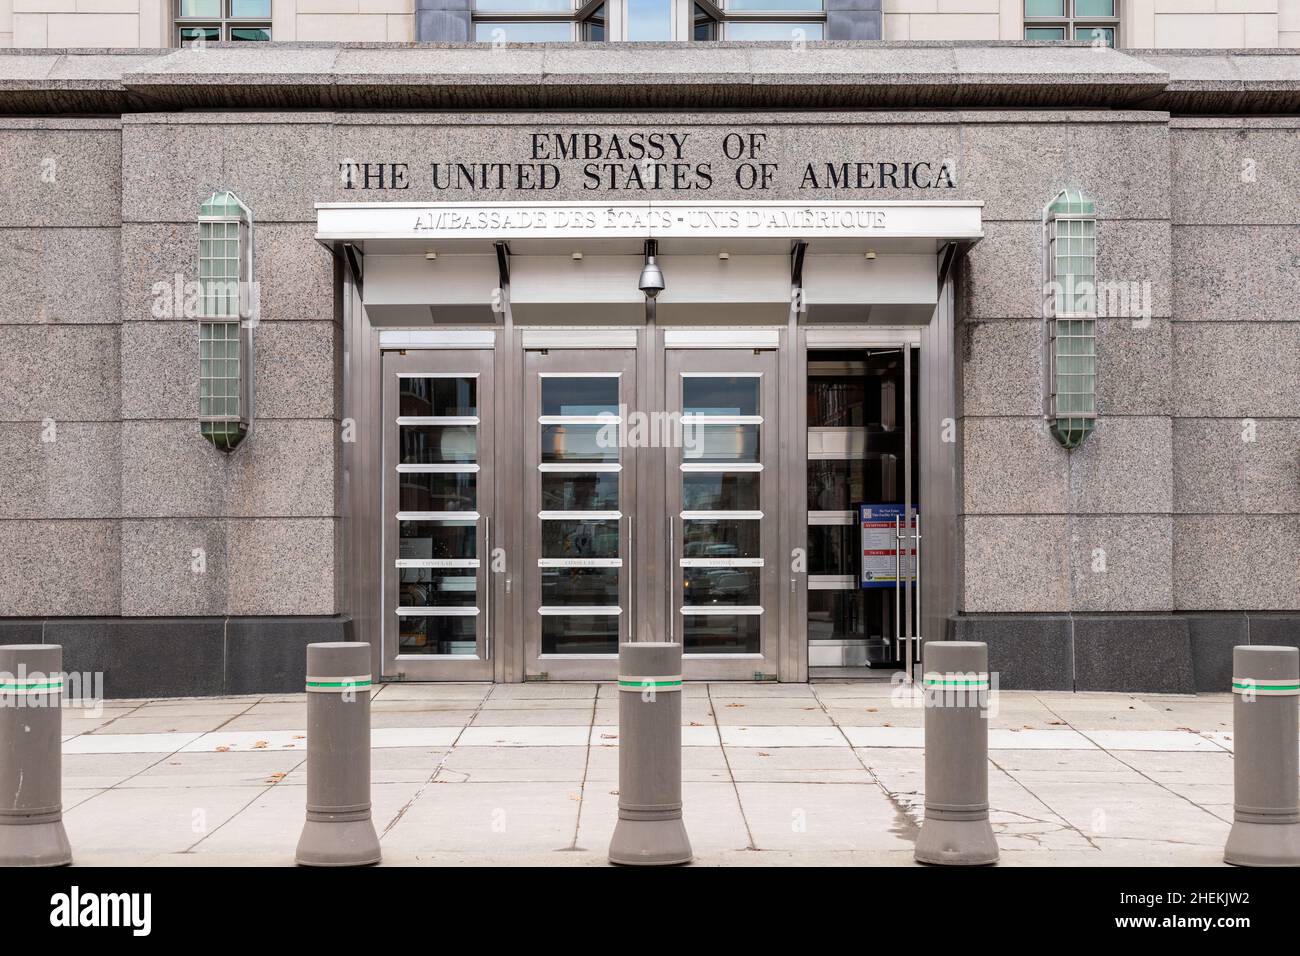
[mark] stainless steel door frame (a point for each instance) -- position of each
(620, 363)
(680, 363)
(438, 364)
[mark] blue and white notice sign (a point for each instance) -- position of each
(880, 547)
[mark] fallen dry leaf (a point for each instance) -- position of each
(872, 710)
(609, 736)
(735, 705)
(222, 749)
(260, 745)
(761, 754)
(276, 777)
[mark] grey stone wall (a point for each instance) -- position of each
(60, 429)
(1038, 520)
(1235, 349)
(266, 514)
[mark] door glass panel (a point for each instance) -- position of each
(438, 397)
(438, 444)
(580, 634)
(722, 633)
(437, 491)
(856, 414)
(564, 538)
(431, 496)
(719, 443)
(566, 395)
(720, 554)
(720, 491)
(436, 635)
(437, 538)
(438, 587)
(705, 586)
(589, 587)
(712, 538)
(580, 563)
(580, 491)
(832, 549)
(579, 442)
(720, 396)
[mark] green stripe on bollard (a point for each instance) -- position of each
(957, 681)
(33, 686)
(650, 683)
(1270, 687)
(337, 685)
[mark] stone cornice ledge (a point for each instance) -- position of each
(765, 76)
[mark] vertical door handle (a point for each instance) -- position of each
(487, 586)
(675, 572)
(631, 578)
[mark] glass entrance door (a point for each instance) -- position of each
(438, 507)
(578, 511)
(861, 439)
(722, 510)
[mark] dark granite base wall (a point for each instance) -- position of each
(184, 656)
(1131, 653)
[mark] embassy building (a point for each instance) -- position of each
(495, 355)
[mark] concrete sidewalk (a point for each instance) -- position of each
(774, 774)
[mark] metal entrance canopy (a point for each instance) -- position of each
(434, 263)
(680, 227)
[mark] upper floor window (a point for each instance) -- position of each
(539, 21)
(222, 21)
(1096, 21)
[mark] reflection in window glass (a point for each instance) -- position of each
(732, 586)
(720, 443)
(579, 396)
(1044, 8)
(1094, 34)
(438, 491)
(574, 443)
(1094, 8)
(438, 587)
(736, 395)
(708, 538)
(436, 635)
(200, 8)
(580, 634)
(720, 491)
(438, 397)
(580, 587)
(202, 34)
(704, 26)
(649, 20)
(1044, 33)
(754, 5)
(593, 28)
(523, 6)
(437, 444)
(775, 31)
(501, 31)
(721, 633)
(567, 491)
(250, 34)
(250, 9)
(440, 539)
(580, 539)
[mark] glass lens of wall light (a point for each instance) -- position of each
(1072, 325)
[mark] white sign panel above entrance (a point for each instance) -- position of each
(649, 220)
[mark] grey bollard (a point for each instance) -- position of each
(1266, 759)
(31, 756)
(339, 830)
(956, 829)
(650, 831)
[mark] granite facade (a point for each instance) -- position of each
(1166, 515)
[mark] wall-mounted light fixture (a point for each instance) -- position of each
(227, 312)
(1070, 316)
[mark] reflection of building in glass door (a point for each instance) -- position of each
(856, 454)
(580, 563)
(577, 508)
(437, 494)
(721, 473)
